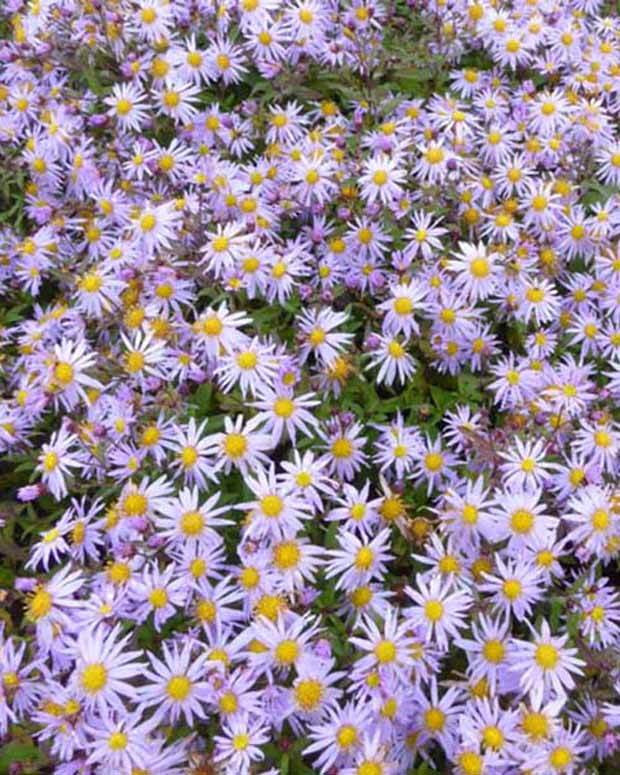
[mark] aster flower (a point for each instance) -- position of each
(438, 612)
(545, 665)
(56, 461)
(174, 684)
(240, 744)
(104, 668)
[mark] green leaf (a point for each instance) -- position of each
(18, 752)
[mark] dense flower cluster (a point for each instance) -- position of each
(311, 402)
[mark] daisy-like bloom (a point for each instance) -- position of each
(20, 680)
(225, 61)
(515, 587)
(296, 561)
(424, 236)
(306, 475)
(142, 357)
(439, 610)
(600, 612)
(175, 99)
(545, 666)
(344, 455)
(318, 337)
(521, 517)
(67, 378)
(128, 106)
(539, 301)
(217, 330)
(398, 446)
(276, 512)
(600, 443)
(50, 605)
(253, 366)
(487, 724)
(593, 517)
(477, 270)
(393, 360)
(356, 509)
(145, 500)
(382, 178)
(439, 715)
(156, 593)
(104, 668)
(315, 178)
(283, 643)
(175, 684)
(240, 446)
(183, 520)
(466, 516)
(239, 746)
(56, 461)
(608, 160)
(433, 464)
(548, 112)
(387, 648)
(313, 691)
(98, 291)
(515, 383)
(284, 412)
(563, 755)
(433, 162)
(191, 457)
(156, 227)
(372, 758)
(489, 652)
(121, 743)
(358, 559)
(405, 301)
(51, 547)
(225, 248)
(339, 736)
(153, 19)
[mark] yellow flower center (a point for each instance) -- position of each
(364, 558)
(522, 521)
(286, 555)
(403, 305)
(148, 222)
(94, 677)
(135, 504)
(342, 448)
(272, 506)
(286, 652)
(63, 372)
(385, 651)
(235, 445)
(434, 461)
(346, 736)
(492, 737)
(434, 719)
(192, 523)
(494, 651)
(546, 656)
(50, 461)
(512, 589)
(39, 605)
(471, 763)
(380, 178)
(118, 741)
(560, 758)
(178, 688)
(309, 693)
(433, 609)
